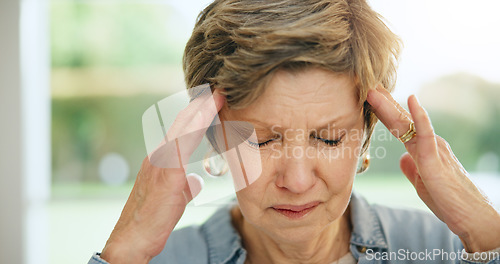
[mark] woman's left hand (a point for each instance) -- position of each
(437, 175)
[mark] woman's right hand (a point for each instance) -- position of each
(160, 194)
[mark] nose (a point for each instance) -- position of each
(297, 173)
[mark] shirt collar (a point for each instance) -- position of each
(366, 227)
(223, 241)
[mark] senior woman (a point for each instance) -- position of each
(314, 76)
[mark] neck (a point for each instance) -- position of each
(328, 246)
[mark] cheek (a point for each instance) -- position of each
(338, 174)
(245, 165)
(260, 193)
(244, 160)
(256, 178)
(337, 166)
(252, 200)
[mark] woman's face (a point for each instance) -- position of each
(309, 126)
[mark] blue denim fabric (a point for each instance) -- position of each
(380, 235)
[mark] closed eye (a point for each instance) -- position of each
(331, 142)
(260, 144)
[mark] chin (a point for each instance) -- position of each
(297, 235)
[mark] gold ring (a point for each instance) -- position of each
(409, 134)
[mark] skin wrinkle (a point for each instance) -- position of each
(302, 101)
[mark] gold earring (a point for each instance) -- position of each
(210, 166)
(365, 163)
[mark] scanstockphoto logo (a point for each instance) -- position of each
(406, 255)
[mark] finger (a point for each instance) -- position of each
(396, 121)
(186, 132)
(409, 168)
(193, 133)
(206, 113)
(427, 153)
(388, 95)
(197, 115)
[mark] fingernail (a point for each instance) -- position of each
(370, 93)
(219, 98)
(217, 93)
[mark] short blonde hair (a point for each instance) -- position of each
(237, 45)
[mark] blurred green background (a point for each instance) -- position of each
(111, 60)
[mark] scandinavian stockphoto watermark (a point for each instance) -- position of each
(330, 143)
(436, 254)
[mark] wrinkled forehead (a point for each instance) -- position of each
(313, 96)
(311, 81)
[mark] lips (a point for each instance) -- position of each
(295, 211)
(295, 208)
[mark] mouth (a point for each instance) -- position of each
(295, 211)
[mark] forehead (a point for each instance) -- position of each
(308, 97)
(310, 84)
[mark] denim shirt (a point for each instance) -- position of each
(379, 235)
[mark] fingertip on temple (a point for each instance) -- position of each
(371, 98)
